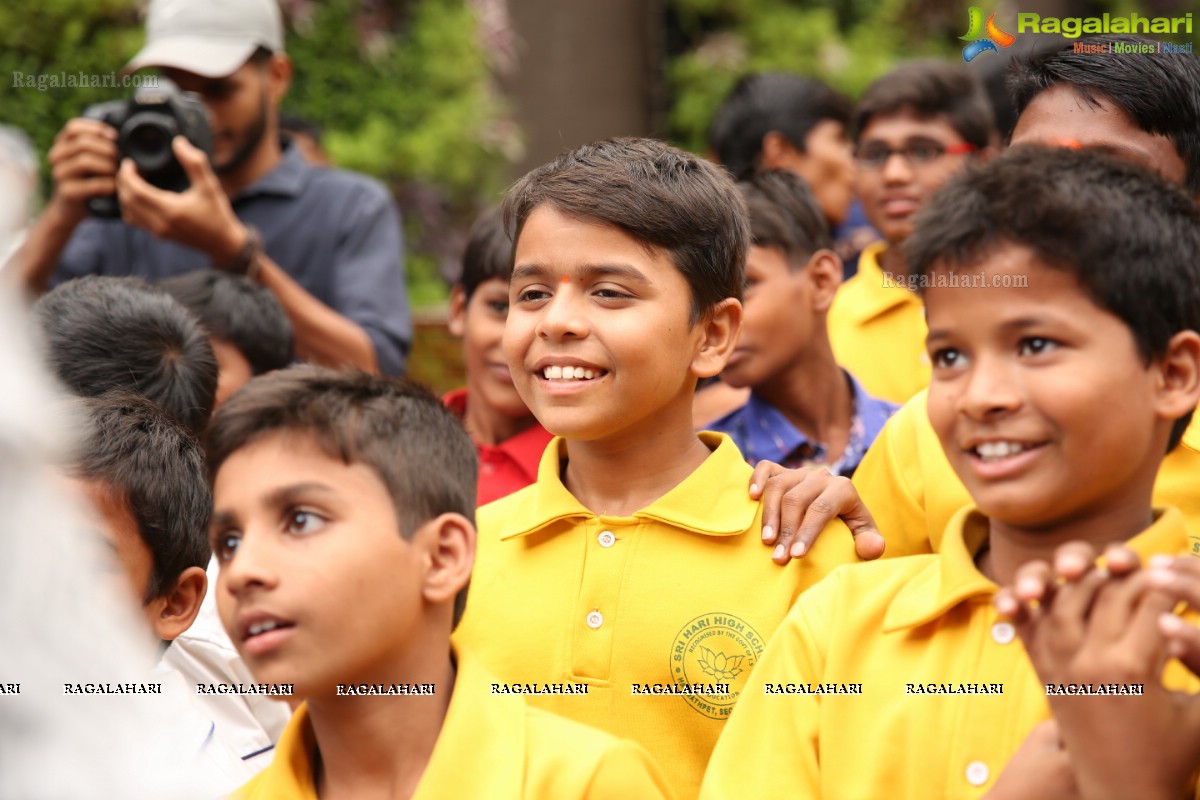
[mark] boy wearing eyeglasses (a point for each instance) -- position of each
(915, 128)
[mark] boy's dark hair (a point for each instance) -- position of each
(155, 466)
(784, 215)
(667, 199)
(489, 252)
(766, 102)
(239, 311)
(294, 123)
(931, 89)
(1127, 236)
(1159, 91)
(103, 333)
(397, 428)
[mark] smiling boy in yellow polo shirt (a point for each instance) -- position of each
(342, 526)
(634, 565)
(1055, 395)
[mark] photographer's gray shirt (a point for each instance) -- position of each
(336, 233)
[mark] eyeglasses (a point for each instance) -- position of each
(918, 153)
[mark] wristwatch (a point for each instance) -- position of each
(248, 261)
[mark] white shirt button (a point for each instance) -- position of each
(595, 619)
(1003, 632)
(607, 539)
(977, 773)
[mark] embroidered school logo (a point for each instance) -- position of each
(715, 649)
(983, 37)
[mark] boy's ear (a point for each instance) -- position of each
(720, 328)
(1179, 378)
(174, 612)
(458, 311)
(450, 541)
(824, 271)
(776, 152)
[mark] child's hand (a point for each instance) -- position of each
(1093, 627)
(1180, 578)
(799, 503)
(1039, 769)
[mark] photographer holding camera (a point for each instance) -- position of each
(326, 243)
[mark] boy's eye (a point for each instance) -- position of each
(610, 293)
(947, 358)
(499, 307)
(300, 521)
(225, 546)
(1036, 345)
(531, 295)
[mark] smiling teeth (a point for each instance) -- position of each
(557, 373)
(992, 451)
(263, 627)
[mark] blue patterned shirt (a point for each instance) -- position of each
(761, 432)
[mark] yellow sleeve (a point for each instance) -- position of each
(627, 772)
(770, 744)
(891, 483)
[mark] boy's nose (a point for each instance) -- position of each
(564, 316)
(990, 391)
(250, 567)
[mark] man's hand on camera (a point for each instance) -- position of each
(83, 161)
(200, 217)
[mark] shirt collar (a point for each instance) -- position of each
(1191, 436)
(874, 298)
(952, 576)
(288, 179)
(495, 723)
(714, 500)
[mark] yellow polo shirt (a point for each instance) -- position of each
(906, 632)
(492, 746)
(912, 491)
(680, 594)
(878, 332)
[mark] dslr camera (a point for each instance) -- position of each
(146, 124)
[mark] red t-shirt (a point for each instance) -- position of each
(508, 466)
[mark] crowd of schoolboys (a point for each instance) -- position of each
(553, 583)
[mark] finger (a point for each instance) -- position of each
(1183, 640)
(194, 161)
(65, 151)
(1119, 560)
(1178, 576)
(779, 498)
(1010, 608)
(1073, 559)
(86, 188)
(803, 488)
(1115, 607)
(83, 127)
(763, 471)
(837, 498)
(1073, 601)
(1033, 583)
(1141, 639)
(84, 165)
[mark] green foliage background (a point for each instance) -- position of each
(405, 95)
(848, 43)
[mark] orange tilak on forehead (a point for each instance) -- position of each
(565, 279)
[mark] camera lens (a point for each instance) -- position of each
(146, 138)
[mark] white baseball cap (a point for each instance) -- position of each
(212, 38)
